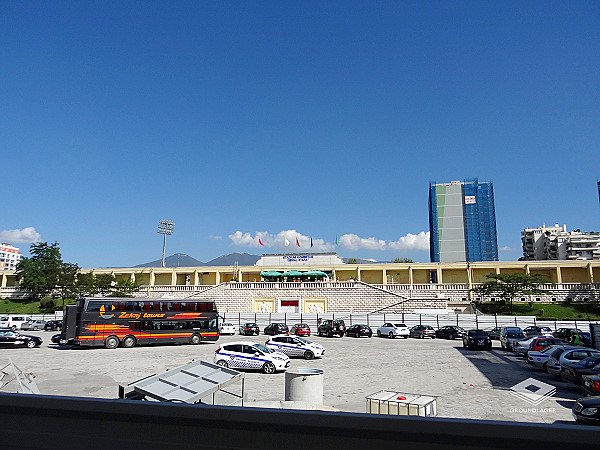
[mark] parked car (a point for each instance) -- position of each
(587, 410)
(522, 346)
(541, 342)
(477, 339)
(508, 335)
(53, 325)
(568, 355)
(565, 333)
(540, 358)
(13, 321)
(331, 328)
(246, 355)
(450, 332)
(534, 330)
(494, 333)
(226, 328)
(590, 384)
(358, 330)
(422, 331)
(300, 329)
(249, 329)
(392, 330)
(33, 325)
(276, 328)
(295, 346)
(9, 339)
(572, 372)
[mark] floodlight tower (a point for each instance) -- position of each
(165, 227)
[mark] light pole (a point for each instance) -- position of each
(165, 227)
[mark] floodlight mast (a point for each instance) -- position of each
(165, 227)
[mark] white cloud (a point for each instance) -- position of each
(412, 242)
(506, 248)
(348, 241)
(20, 236)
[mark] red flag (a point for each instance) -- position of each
(260, 242)
(297, 243)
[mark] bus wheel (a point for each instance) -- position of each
(195, 339)
(111, 342)
(128, 342)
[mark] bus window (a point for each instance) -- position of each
(135, 326)
(94, 305)
(147, 306)
(213, 324)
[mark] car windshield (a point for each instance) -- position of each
(227, 324)
(262, 348)
(399, 325)
(303, 340)
(590, 361)
(477, 333)
(338, 322)
(250, 324)
(515, 334)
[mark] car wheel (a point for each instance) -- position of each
(406, 337)
(111, 342)
(31, 344)
(129, 342)
(268, 367)
(222, 363)
(391, 335)
(464, 344)
(422, 336)
(308, 354)
(329, 334)
(13, 328)
(452, 336)
(502, 346)
(378, 333)
(195, 339)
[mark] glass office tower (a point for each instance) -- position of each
(462, 221)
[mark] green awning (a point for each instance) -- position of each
(293, 273)
(271, 273)
(315, 273)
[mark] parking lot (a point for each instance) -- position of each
(468, 383)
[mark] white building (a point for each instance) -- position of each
(556, 243)
(9, 257)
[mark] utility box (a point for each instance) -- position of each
(401, 404)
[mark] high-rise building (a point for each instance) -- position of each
(462, 221)
(9, 257)
(556, 243)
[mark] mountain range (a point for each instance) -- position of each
(242, 259)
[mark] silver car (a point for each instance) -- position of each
(508, 335)
(392, 330)
(559, 356)
(522, 346)
(33, 325)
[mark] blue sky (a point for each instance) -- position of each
(241, 120)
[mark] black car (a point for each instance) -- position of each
(10, 338)
(587, 410)
(332, 327)
(53, 325)
(477, 339)
(449, 332)
(534, 330)
(590, 384)
(573, 371)
(359, 330)
(249, 329)
(494, 333)
(276, 328)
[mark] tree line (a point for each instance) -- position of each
(46, 277)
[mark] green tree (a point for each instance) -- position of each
(402, 260)
(45, 273)
(125, 288)
(352, 260)
(507, 286)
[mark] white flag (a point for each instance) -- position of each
(286, 241)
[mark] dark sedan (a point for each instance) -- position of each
(249, 329)
(450, 332)
(359, 331)
(590, 384)
(587, 410)
(477, 339)
(494, 333)
(53, 325)
(276, 328)
(13, 339)
(573, 371)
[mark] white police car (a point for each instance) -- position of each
(247, 355)
(295, 346)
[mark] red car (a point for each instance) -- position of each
(300, 329)
(542, 342)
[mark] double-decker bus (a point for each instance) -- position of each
(108, 322)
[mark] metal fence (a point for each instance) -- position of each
(467, 321)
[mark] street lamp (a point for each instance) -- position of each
(165, 227)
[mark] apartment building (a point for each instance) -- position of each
(9, 257)
(556, 243)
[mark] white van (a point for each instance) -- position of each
(14, 321)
